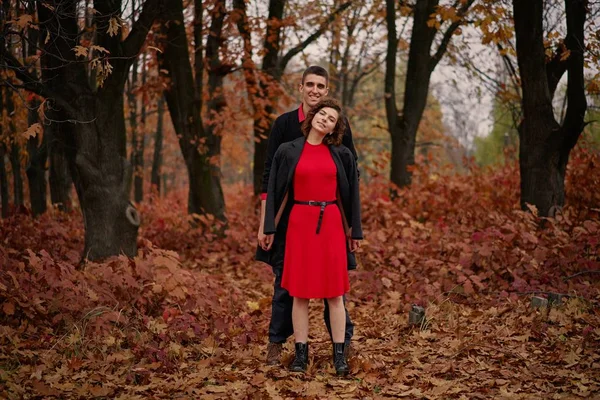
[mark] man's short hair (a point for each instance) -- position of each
(316, 70)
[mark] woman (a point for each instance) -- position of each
(319, 176)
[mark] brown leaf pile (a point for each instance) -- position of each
(188, 317)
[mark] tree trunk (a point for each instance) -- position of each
(15, 163)
(158, 145)
(421, 64)
(36, 171)
(14, 153)
(111, 221)
(97, 157)
(3, 176)
(3, 182)
(198, 146)
(37, 150)
(57, 135)
(132, 103)
(545, 145)
(138, 164)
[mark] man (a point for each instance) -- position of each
(314, 86)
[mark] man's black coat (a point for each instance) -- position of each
(280, 184)
(287, 127)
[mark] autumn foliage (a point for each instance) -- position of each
(188, 316)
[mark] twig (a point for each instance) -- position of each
(593, 271)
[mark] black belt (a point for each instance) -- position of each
(321, 204)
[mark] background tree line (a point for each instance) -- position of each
(91, 91)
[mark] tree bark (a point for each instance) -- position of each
(3, 182)
(14, 154)
(98, 161)
(137, 134)
(198, 145)
(138, 164)
(15, 162)
(421, 64)
(158, 145)
(36, 149)
(57, 135)
(545, 145)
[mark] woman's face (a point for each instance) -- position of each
(325, 120)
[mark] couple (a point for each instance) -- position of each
(310, 220)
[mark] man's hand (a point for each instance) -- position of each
(353, 244)
(262, 238)
(265, 241)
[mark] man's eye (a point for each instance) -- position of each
(321, 86)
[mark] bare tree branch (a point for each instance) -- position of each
(136, 38)
(301, 46)
(448, 35)
(31, 83)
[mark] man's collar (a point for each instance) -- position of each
(301, 116)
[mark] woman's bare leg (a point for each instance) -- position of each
(337, 315)
(300, 320)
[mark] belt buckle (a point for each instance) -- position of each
(313, 203)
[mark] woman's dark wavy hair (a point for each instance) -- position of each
(335, 137)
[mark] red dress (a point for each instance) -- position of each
(315, 265)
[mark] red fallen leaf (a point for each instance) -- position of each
(75, 363)
(468, 287)
(477, 236)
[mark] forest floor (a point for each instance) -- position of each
(188, 317)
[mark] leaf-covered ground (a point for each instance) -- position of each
(187, 318)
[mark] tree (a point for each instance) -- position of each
(545, 144)
(262, 86)
(200, 142)
(354, 49)
(403, 127)
(158, 145)
(91, 116)
(37, 148)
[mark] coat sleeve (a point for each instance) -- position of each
(348, 141)
(269, 226)
(275, 139)
(352, 173)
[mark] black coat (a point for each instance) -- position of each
(287, 127)
(280, 197)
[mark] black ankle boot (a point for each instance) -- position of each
(300, 362)
(339, 359)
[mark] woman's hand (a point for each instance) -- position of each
(266, 241)
(353, 244)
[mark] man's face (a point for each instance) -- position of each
(313, 89)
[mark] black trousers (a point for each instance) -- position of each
(281, 326)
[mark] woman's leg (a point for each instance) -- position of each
(337, 315)
(300, 320)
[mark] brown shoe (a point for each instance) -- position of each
(274, 353)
